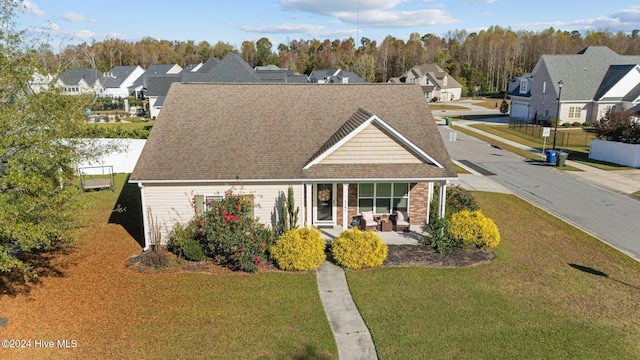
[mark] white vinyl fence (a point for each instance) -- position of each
(615, 152)
(123, 161)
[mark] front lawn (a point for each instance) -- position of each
(541, 297)
(85, 293)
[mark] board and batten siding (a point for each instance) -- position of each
(170, 204)
(371, 146)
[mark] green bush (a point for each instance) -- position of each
(183, 242)
(355, 249)
(438, 238)
(473, 229)
(458, 199)
(299, 249)
(576, 123)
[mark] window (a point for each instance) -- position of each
(383, 198)
(574, 112)
(210, 199)
(523, 86)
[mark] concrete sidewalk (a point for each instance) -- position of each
(620, 181)
(351, 333)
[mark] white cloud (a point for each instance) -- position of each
(32, 8)
(53, 27)
(625, 20)
(73, 17)
(283, 28)
(333, 7)
(371, 13)
(84, 34)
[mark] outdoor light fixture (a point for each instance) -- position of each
(555, 130)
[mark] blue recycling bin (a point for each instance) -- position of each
(552, 156)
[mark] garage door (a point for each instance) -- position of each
(519, 110)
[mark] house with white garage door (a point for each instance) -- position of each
(582, 86)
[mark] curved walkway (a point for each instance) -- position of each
(351, 333)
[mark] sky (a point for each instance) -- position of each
(233, 21)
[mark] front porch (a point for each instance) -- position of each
(387, 237)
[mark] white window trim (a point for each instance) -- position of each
(392, 196)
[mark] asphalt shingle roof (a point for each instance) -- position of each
(220, 132)
(73, 77)
(117, 75)
(582, 73)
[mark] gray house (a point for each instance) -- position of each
(593, 81)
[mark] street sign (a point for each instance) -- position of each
(546, 131)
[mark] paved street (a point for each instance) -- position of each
(609, 215)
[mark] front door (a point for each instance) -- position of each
(324, 201)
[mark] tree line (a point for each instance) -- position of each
(483, 61)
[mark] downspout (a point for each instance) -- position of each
(145, 220)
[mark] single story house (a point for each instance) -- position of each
(344, 149)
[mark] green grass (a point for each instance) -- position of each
(441, 106)
(576, 141)
(268, 316)
(461, 170)
(529, 302)
(136, 123)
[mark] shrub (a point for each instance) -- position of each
(438, 238)
(157, 259)
(183, 242)
(231, 235)
(473, 229)
(299, 249)
(355, 249)
(587, 124)
(576, 123)
(457, 199)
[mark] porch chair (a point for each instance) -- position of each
(368, 222)
(400, 221)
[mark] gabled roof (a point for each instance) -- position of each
(73, 76)
(117, 75)
(614, 74)
(582, 73)
(335, 76)
(266, 132)
(159, 85)
(230, 69)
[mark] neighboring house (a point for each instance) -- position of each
(436, 84)
(335, 76)
(40, 82)
(274, 74)
(139, 86)
(119, 79)
(344, 149)
(230, 69)
(80, 81)
(158, 87)
(594, 80)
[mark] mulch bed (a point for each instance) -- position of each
(398, 256)
(413, 255)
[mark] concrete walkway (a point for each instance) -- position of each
(352, 335)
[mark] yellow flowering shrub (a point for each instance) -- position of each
(299, 249)
(355, 249)
(473, 229)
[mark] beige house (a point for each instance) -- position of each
(345, 149)
(437, 84)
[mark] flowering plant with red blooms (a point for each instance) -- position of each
(230, 234)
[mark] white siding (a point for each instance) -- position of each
(173, 203)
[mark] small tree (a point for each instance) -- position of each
(618, 125)
(504, 107)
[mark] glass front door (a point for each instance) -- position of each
(324, 202)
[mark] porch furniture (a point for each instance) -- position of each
(368, 222)
(386, 225)
(400, 221)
